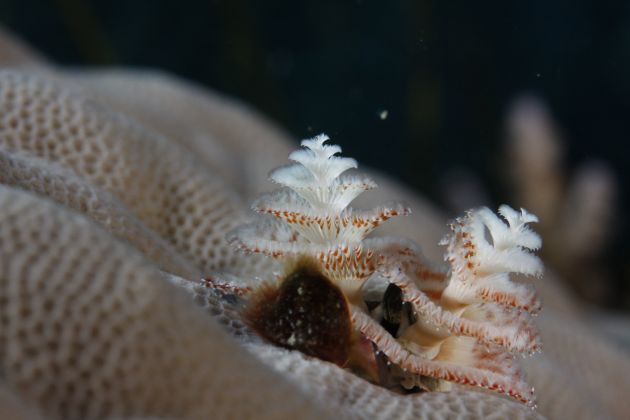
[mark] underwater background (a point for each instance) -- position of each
(419, 89)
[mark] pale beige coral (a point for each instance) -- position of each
(92, 329)
(110, 178)
(577, 213)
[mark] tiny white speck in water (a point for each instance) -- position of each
(383, 114)
(538, 75)
(291, 340)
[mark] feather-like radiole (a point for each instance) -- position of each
(460, 324)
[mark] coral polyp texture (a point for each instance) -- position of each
(429, 327)
(115, 184)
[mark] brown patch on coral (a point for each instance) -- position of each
(306, 312)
